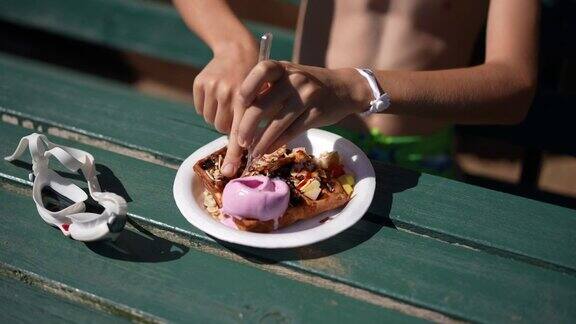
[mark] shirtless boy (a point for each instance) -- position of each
(419, 51)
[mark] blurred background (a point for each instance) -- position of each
(144, 44)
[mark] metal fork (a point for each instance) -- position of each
(263, 55)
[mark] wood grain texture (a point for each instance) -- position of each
(20, 303)
(468, 284)
(169, 280)
(499, 223)
(146, 27)
(495, 222)
(102, 110)
(452, 279)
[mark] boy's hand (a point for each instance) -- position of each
(301, 97)
(216, 97)
(218, 83)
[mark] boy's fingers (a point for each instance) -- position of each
(232, 160)
(198, 99)
(223, 119)
(264, 72)
(264, 108)
(234, 152)
(210, 108)
(299, 125)
(293, 108)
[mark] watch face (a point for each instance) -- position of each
(379, 106)
(382, 103)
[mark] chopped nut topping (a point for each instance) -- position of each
(210, 205)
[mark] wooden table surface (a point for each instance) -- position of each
(429, 249)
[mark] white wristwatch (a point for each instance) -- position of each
(381, 100)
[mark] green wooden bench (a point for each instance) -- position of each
(429, 249)
(147, 27)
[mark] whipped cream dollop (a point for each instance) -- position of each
(256, 197)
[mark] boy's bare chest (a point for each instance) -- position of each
(391, 34)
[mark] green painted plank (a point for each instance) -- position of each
(146, 27)
(423, 271)
(168, 279)
(101, 109)
(21, 303)
(451, 210)
(500, 223)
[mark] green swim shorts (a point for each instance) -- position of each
(430, 154)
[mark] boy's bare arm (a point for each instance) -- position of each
(497, 92)
(235, 53)
(216, 24)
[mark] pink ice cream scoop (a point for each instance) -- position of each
(257, 197)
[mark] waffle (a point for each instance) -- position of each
(295, 167)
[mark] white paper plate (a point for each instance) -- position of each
(188, 193)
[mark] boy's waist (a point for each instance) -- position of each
(430, 153)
